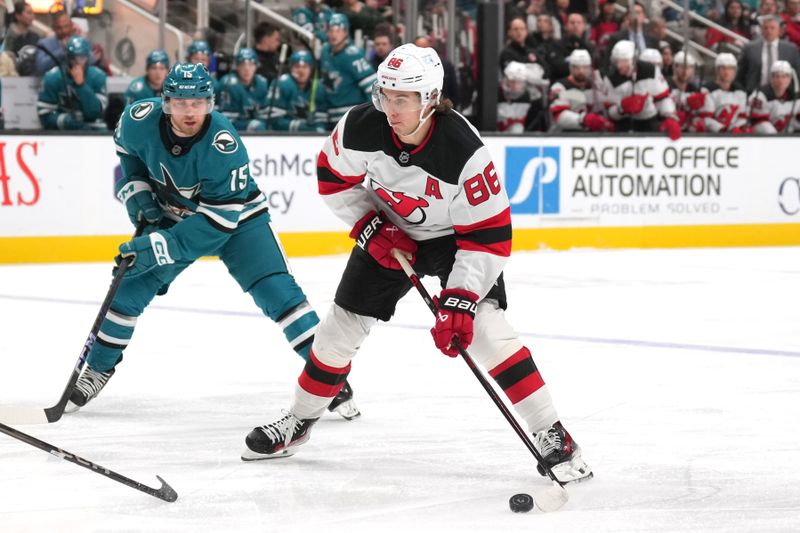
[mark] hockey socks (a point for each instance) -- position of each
(114, 335)
(299, 325)
(317, 386)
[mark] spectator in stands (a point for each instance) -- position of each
(691, 104)
(766, 7)
(635, 31)
(450, 86)
(573, 38)
(383, 42)
(773, 107)
(733, 20)
(637, 95)
(73, 98)
(56, 44)
(576, 101)
(728, 99)
(791, 20)
(149, 85)
(19, 23)
(606, 24)
(267, 43)
(348, 76)
(710, 9)
(361, 17)
(559, 11)
(666, 58)
(517, 109)
(517, 47)
(297, 104)
(243, 94)
(758, 56)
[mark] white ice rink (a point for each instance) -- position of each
(678, 372)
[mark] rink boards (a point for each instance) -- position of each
(57, 197)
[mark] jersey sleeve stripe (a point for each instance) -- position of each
(331, 181)
(661, 96)
(492, 235)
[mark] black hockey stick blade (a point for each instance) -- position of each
(26, 414)
(165, 492)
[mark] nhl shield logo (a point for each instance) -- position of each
(224, 142)
(404, 157)
(139, 111)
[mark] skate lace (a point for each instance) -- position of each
(549, 441)
(91, 382)
(283, 429)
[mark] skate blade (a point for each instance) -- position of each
(551, 499)
(71, 407)
(347, 410)
(249, 455)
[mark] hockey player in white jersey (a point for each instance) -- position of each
(728, 98)
(774, 107)
(691, 104)
(519, 105)
(576, 104)
(409, 173)
(637, 95)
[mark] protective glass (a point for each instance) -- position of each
(404, 103)
(188, 106)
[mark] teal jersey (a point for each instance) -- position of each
(203, 187)
(245, 106)
(348, 79)
(63, 105)
(292, 107)
(139, 90)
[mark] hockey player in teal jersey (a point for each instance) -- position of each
(291, 108)
(149, 85)
(186, 173)
(73, 98)
(243, 94)
(200, 52)
(348, 76)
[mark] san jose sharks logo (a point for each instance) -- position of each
(225, 142)
(139, 111)
(410, 208)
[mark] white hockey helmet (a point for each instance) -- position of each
(515, 71)
(651, 55)
(682, 57)
(580, 58)
(623, 50)
(411, 68)
(725, 59)
(781, 67)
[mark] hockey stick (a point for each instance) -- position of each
(274, 85)
(21, 414)
(550, 499)
(165, 492)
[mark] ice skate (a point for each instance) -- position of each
(344, 404)
(278, 439)
(88, 386)
(562, 454)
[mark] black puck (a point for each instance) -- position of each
(521, 503)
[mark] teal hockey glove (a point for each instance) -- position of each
(146, 253)
(137, 196)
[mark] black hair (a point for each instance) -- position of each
(263, 29)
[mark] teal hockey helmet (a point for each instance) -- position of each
(201, 47)
(157, 57)
(246, 54)
(77, 46)
(301, 56)
(186, 81)
(339, 19)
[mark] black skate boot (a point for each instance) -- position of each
(562, 454)
(344, 404)
(89, 385)
(279, 439)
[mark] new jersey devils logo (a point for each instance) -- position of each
(411, 208)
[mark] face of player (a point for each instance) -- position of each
(402, 110)
(301, 72)
(624, 67)
(79, 61)
(246, 71)
(200, 57)
(580, 73)
(517, 31)
(382, 46)
(337, 36)
(683, 72)
(187, 115)
(780, 82)
(156, 74)
(726, 74)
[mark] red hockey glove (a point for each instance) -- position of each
(683, 117)
(595, 122)
(742, 129)
(671, 126)
(633, 104)
(377, 236)
(456, 311)
(696, 101)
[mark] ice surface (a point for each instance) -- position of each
(678, 371)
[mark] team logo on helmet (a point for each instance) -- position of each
(224, 142)
(139, 111)
(411, 208)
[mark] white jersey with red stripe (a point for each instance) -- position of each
(771, 114)
(649, 81)
(570, 102)
(729, 107)
(446, 185)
